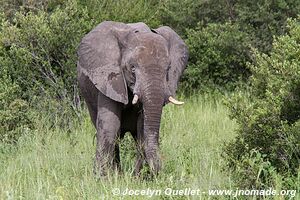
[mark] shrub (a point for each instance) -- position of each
(124, 11)
(38, 61)
(269, 117)
(180, 14)
(250, 23)
(10, 8)
(263, 19)
(14, 112)
(218, 56)
(39, 48)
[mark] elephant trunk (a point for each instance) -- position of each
(153, 99)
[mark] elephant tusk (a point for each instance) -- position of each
(135, 99)
(174, 101)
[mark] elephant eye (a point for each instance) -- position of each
(169, 67)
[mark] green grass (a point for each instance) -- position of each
(56, 164)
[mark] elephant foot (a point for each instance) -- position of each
(155, 166)
(106, 165)
(103, 170)
(154, 163)
(100, 168)
(152, 168)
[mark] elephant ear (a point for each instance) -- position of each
(99, 58)
(178, 54)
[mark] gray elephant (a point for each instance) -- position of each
(126, 74)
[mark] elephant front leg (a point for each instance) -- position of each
(108, 128)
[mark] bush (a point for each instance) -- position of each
(263, 19)
(124, 11)
(250, 23)
(180, 14)
(38, 66)
(269, 117)
(39, 48)
(14, 112)
(218, 56)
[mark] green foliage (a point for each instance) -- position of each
(254, 170)
(260, 19)
(255, 24)
(38, 54)
(179, 14)
(186, 14)
(10, 8)
(124, 11)
(14, 112)
(263, 18)
(218, 56)
(269, 117)
(43, 46)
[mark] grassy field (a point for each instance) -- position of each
(53, 164)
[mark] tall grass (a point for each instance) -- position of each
(56, 164)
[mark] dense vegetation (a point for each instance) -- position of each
(248, 50)
(269, 115)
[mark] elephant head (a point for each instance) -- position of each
(131, 63)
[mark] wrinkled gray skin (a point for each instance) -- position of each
(116, 61)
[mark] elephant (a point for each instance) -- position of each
(126, 74)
